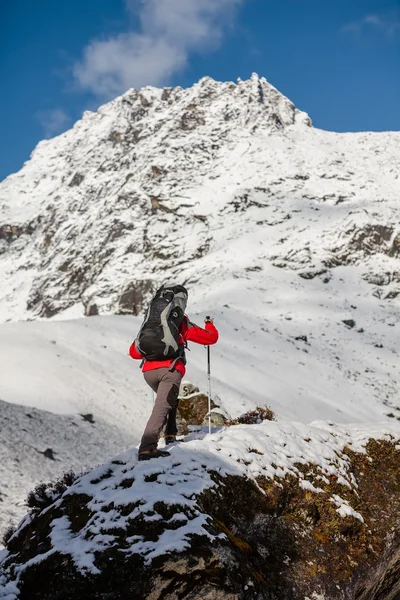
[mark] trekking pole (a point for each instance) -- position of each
(209, 387)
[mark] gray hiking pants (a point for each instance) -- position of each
(166, 385)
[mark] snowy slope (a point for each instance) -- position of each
(27, 435)
(72, 368)
(280, 230)
(252, 451)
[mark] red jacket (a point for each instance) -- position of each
(189, 332)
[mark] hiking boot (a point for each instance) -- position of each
(169, 439)
(147, 455)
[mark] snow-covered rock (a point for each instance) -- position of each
(275, 511)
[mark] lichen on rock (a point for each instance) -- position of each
(274, 511)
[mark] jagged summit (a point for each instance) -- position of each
(253, 102)
(141, 153)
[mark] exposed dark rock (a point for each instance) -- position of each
(382, 278)
(303, 177)
(349, 323)
(156, 171)
(395, 249)
(88, 417)
(42, 306)
(115, 137)
(362, 241)
(144, 101)
(10, 232)
(191, 119)
(49, 453)
(134, 297)
(301, 338)
(76, 180)
(91, 309)
(252, 417)
(276, 120)
(195, 408)
(391, 295)
(181, 424)
(166, 94)
(311, 274)
(44, 494)
(384, 582)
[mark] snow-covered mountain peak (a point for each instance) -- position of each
(141, 154)
(222, 107)
(288, 234)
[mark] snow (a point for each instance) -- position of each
(307, 485)
(25, 435)
(65, 369)
(272, 450)
(279, 230)
(255, 205)
(345, 509)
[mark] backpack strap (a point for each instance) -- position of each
(181, 356)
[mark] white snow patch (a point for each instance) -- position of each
(345, 510)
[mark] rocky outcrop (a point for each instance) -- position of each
(193, 408)
(243, 516)
(132, 301)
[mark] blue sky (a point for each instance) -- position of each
(337, 60)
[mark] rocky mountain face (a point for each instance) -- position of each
(275, 227)
(101, 212)
(267, 511)
(217, 181)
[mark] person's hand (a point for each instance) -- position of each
(208, 320)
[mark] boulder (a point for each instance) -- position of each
(217, 419)
(195, 408)
(133, 298)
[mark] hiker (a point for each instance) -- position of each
(161, 344)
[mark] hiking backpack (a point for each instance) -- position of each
(158, 337)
